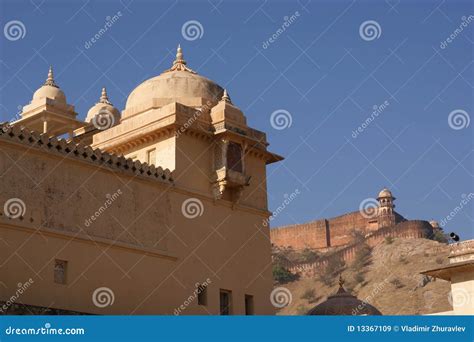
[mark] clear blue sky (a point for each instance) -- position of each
(319, 69)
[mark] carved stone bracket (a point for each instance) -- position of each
(229, 180)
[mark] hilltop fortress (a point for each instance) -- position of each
(376, 219)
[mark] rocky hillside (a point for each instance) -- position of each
(387, 276)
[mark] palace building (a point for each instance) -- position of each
(156, 209)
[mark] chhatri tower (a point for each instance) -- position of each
(156, 209)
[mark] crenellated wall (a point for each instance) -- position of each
(415, 229)
(326, 233)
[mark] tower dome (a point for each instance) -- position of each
(177, 84)
(50, 90)
(103, 108)
(385, 193)
(344, 303)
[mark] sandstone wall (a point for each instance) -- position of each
(414, 229)
(309, 235)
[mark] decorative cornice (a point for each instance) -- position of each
(84, 153)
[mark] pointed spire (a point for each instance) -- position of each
(104, 97)
(179, 63)
(226, 97)
(50, 79)
(341, 281)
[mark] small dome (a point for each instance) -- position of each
(104, 108)
(385, 193)
(179, 82)
(50, 90)
(343, 303)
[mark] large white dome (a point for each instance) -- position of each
(174, 84)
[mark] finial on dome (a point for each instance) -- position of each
(104, 97)
(50, 79)
(225, 97)
(341, 281)
(179, 63)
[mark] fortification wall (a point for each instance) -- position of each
(300, 236)
(415, 229)
(335, 232)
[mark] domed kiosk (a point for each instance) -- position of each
(344, 303)
(48, 112)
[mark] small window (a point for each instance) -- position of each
(202, 295)
(60, 271)
(151, 157)
(225, 302)
(234, 157)
(249, 305)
